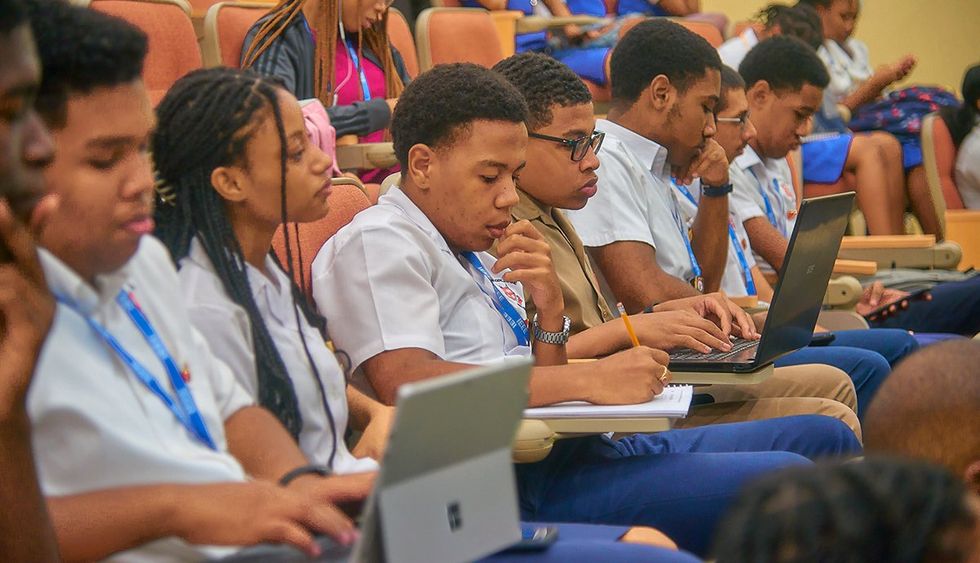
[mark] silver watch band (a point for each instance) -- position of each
(556, 338)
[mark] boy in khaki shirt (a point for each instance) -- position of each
(560, 174)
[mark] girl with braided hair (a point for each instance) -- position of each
(338, 52)
(234, 164)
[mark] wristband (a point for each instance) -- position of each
(321, 470)
(716, 191)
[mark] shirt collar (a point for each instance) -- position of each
(644, 149)
(67, 284)
(396, 197)
(749, 38)
(748, 158)
(531, 209)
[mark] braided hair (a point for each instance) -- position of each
(875, 510)
(326, 30)
(205, 121)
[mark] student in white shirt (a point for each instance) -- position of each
(964, 125)
(26, 306)
(131, 469)
(238, 205)
(775, 19)
(219, 223)
(421, 297)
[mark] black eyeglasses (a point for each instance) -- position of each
(579, 147)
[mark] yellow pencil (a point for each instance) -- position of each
(629, 325)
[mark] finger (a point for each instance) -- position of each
(521, 243)
(712, 330)
(522, 261)
(523, 227)
(329, 520)
(295, 535)
(723, 314)
(686, 341)
(707, 340)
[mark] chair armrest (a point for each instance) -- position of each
(843, 292)
(855, 267)
(887, 241)
(366, 156)
(841, 320)
(720, 378)
(917, 254)
(533, 441)
(530, 24)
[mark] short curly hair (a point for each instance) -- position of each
(441, 103)
(654, 47)
(786, 63)
(545, 83)
(81, 49)
(800, 21)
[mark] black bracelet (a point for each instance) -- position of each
(716, 191)
(321, 470)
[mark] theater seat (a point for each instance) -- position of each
(347, 199)
(447, 35)
(400, 36)
(173, 50)
(225, 27)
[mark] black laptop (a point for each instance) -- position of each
(798, 296)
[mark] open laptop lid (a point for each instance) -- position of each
(446, 488)
(804, 276)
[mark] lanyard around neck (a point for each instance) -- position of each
(770, 210)
(184, 408)
(501, 303)
(746, 271)
(355, 60)
(698, 280)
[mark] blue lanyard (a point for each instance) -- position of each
(740, 254)
(186, 412)
(695, 267)
(365, 89)
(500, 302)
(749, 283)
(770, 212)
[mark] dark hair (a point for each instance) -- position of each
(786, 63)
(875, 510)
(962, 119)
(800, 21)
(658, 46)
(545, 83)
(12, 15)
(440, 102)
(205, 121)
(81, 49)
(815, 3)
(730, 80)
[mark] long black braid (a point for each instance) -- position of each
(881, 509)
(206, 121)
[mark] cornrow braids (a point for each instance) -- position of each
(206, 121)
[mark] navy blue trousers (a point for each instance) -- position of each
(680, 481)
(865, 355)
(588, 543)
(954, 308)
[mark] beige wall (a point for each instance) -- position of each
(943, 34)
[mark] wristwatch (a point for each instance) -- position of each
(716, 191)
(556, 338)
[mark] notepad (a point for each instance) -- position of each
(674, 402)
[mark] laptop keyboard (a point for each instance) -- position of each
(738, 345)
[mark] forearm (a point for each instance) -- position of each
(388, 378)
(261, 444)
(868, 91)
(681, 7)
(603, 340)
(92, 526)
(630, 268)
(361, 408)
(762, 287)
(27, 533)
(710, 241)
(767, 241)
(556, 384)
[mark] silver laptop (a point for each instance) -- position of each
(446, 490)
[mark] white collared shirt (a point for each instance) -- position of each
(847, 70)
(634, 201)
(229, 334)
(752, 176)
(733, 279)
(388, 280)
(967, 173)
(95, 425)
(733, 51)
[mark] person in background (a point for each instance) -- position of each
(775, 19)
(338, 52)
(964, 126)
